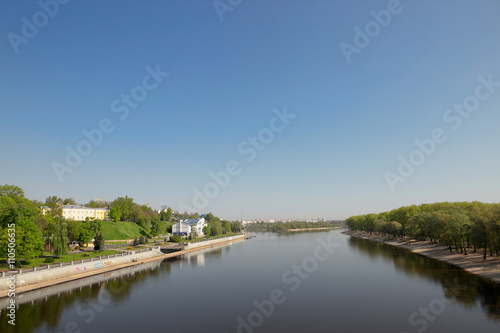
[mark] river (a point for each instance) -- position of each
(298, 282)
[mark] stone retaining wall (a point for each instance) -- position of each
(213, 241)
(56, 272)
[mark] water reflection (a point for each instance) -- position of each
(227, 278)
(43, 308)
(198, 258)
(458, 285)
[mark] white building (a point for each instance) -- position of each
(187, 225)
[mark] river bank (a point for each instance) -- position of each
(472, 262)
(51, 282)
(313, 229)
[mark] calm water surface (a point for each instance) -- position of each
(302, 282)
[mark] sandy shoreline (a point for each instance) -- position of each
(49, 283)
(472, 262)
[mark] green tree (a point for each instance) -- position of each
(28, 241)
(169, 214)
(45, 223)
(126, 207)
(99, 242)
(95, 226)
(97, 204)
(19, 213)
(85, 235)
(206, 230)
(227, 227)
(88, 230)
(60, 237)
(155, 225)
(92, 204)
(216, 228)
(54, 203)
(11, 191)
(69, 201)
(394, 228)
(236, 226)
(114, 213)
(73, 228)
(210, 218)
(380, 226)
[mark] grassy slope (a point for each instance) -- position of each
(121, 230)
(125, 230)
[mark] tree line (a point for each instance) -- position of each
(284, 226)
(458, 225)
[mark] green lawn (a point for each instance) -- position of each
(126, 230)
(121, 230)
(69, 257)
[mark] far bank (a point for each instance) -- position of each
(472, 262)
(313, 229)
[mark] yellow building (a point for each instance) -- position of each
(80, 213)
(45, 209)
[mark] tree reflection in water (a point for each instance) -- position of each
(45, 306)
(458, 285)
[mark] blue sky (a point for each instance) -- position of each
(225, 77)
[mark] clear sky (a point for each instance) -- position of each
(359, 101)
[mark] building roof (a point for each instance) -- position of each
(193, 221)
(80, 207)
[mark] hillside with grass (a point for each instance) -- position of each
(121, 230)
(126, 230)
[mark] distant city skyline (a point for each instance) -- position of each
(277, 109)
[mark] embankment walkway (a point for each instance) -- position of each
(134, 259)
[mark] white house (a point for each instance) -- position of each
(187, 225)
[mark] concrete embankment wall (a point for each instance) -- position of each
(32, 277)
(68, 287)
(213, 241)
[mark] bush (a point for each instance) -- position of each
(175, 239)
(49, 260)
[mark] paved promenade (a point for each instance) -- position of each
(43, 284)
